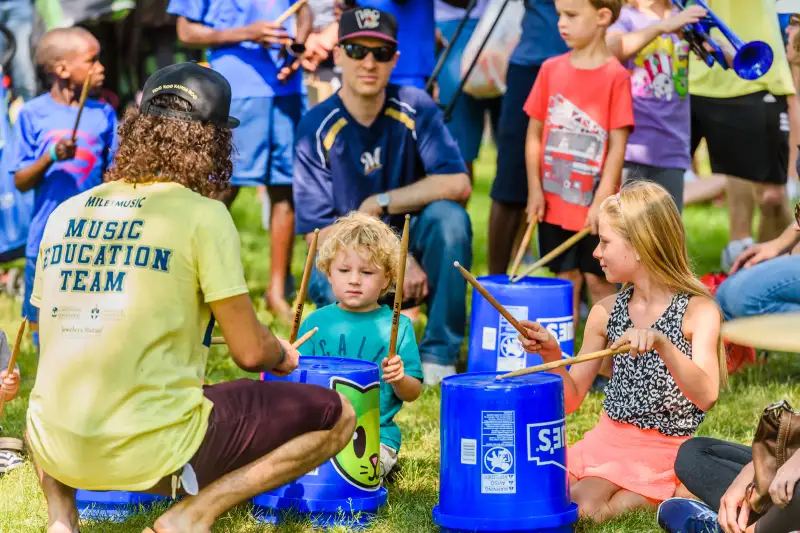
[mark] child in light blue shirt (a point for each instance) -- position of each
(360, 258)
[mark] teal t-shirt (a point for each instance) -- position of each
(365, 336)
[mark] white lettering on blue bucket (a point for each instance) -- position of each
(469, 452)
(498, 467)
(510, 354)
(562, 328)
(547, 443)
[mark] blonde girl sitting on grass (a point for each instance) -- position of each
(660, 392)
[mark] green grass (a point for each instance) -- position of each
(414, 492)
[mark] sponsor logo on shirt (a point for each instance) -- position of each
(371, 161)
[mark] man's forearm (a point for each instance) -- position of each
(202, 36)
(415, 197)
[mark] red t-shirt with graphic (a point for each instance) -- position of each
(578, 108)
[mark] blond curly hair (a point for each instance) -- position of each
(371, 238)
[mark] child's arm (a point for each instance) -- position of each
(578, 380)
(626, 45)
(30, 177)
(533, 154)
(698, 378)
(405, 387)
(612, 174)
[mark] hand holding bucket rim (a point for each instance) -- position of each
(13, 361)
(398, 294)
(301, 295)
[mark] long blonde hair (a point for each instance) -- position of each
(645, 215)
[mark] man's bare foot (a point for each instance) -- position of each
(179, 519)
(279, 306)
(61, 527)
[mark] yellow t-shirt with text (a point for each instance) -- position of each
(750, 20)
(123, 281)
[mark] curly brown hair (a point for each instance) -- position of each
(159, 149)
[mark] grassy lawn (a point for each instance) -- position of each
(414, 492)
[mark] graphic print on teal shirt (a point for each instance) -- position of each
(365, 336)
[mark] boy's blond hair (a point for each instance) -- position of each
(615, 6)
(373, 240)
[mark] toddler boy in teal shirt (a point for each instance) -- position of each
(360, 258)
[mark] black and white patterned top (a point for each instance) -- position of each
(642, 391)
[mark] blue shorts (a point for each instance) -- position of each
(264, 140)
(29, 311)
(468, 117)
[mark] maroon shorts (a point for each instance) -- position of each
(251, 418)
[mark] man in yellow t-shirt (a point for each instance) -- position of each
(746, 125)
(130, 279)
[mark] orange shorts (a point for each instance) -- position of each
(637, 460)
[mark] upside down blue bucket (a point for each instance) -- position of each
(493, 344)
(346, 490)
(113, 506)
(503, 464)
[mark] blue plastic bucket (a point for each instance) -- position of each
(345, 490)
(113, 506)
(503, 455)
(493, 344)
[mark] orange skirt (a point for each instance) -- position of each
(638, 460)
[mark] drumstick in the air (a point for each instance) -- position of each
(398, 292)
(13, 361)
(563, 247)
(526, 241)
(301, 296)
(491, 299)
(564, 362)
(296, 344)
(82, 102)
(294, 8)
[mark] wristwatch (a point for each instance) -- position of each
(383, 202)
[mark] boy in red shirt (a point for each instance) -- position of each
(581, 113)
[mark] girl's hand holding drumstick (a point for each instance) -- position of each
(539, 340)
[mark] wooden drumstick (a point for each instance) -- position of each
(526, 241)
(81, 104)
(564, 362)
(560, 249)
(301, 296)
(491, 299)
(13, 361)
(296, 344)
(294, 8)
(398, 292)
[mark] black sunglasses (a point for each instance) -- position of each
(382, 54)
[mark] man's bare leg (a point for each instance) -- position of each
(504, 222)
(281, 230)
(196, 514)
(741, 208)
(62, 511)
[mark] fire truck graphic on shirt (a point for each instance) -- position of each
(573, 152)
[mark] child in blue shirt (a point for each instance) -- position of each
(44, 158)
(360, 258)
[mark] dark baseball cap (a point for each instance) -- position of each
(368, 22)
(205, 89)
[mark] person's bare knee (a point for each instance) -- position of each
(625, 500)
(342, 431)
(591, 506)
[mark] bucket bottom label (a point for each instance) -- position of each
(498, 467)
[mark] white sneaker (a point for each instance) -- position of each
(434, 373)
(732, 251)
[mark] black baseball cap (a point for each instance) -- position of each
(368, 22)
(205, 89)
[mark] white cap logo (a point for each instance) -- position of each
(367, 19)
